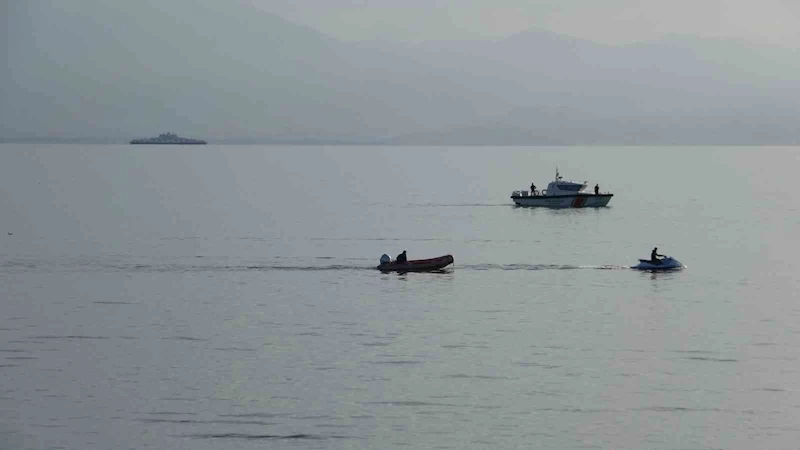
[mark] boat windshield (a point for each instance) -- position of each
(570, 187)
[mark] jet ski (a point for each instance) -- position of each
(666, 263)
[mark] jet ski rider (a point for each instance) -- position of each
(654, 256)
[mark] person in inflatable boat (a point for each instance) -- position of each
(401, 258)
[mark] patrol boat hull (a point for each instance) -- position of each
(563, 201)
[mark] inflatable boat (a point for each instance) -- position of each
(417, 265)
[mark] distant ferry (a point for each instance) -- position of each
(169, 138)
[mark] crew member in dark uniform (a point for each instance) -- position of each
(401, 258)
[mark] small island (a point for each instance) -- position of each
(169, 138)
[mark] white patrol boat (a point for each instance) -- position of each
(562, 194)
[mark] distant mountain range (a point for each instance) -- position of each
(228, 72)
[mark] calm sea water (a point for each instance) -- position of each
(225, 297)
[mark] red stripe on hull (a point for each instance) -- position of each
(578, 202)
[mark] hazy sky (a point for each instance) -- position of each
(612, 21)
(218, 69)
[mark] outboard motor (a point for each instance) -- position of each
(385, 259)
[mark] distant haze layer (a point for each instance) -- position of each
(234, 71)
(609, 21)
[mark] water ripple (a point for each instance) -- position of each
(704, 358)
(262, 436)
(400, 361)
(190, 267)
(480, 377)
(580, 410)
(680, 409)
(70, 337)
(183, 338)
(540, 365)
(413, 403)
(208, 422)
(530, 267)
(259, 415)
